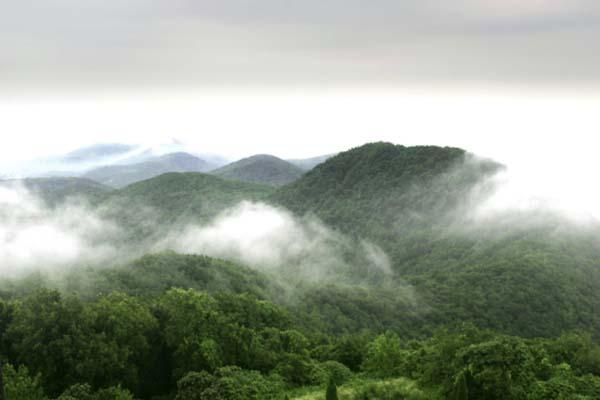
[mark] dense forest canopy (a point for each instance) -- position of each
(385, 284)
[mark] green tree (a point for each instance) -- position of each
(331, 393)
(192, 325)
(500, 369)
(19, 385)
(228, 383)
(461, 390)
(53, 338)
(385, 356)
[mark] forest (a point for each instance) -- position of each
(503, 306)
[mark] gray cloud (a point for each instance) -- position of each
(68, 43)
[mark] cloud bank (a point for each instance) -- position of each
(37, 238)
(274, 240)
(34, 237)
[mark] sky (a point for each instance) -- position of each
(514, 80)
(95, 44)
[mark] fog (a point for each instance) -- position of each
(272, 239)
(34, 237)
(37, 237)
(547, 139)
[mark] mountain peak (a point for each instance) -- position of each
(260, 168)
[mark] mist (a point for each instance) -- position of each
(272, 239)
(546, 138)
(37, 238)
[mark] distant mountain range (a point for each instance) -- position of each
(307, 164)
(99, 153)
(57, 190)
(520, 273)
(393, 230)
(118, 165)
(260, 168)
(119, 176)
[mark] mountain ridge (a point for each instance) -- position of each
(260, 168)
(119, 176)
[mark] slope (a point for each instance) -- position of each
(521, 273)
(260, 169)
(119, 176)
(181, 197)
(58, 190)
(306, 164)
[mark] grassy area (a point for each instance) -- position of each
(364, 388)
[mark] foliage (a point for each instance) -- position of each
(229, 383)
(331, 393)
(85, 392)
(192, 327)
(390, 390)
(385, 356)
(19, 385)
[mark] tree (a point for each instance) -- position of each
(19, 385)
(192, 327)
(331, 393)
(461, 391)
(52, 336)
(385, 356)
(228, 383)
(85, 392)
(500, 369)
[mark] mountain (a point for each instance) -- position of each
(474, 304)
(184, 197)
(98, 152)
(56, 190)
(119, 176)
(157, 273)
(530, 274)
(306, 164)
(260, 168)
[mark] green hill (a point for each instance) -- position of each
(181, 197)
(119, 176)
(57, 190)
(261, 168)
(306, 164)
(154, 274)
(174, 326)
(526, 273)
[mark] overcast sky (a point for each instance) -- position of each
(516, 80)
(74, 44)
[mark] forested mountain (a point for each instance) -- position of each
(186, 197)
(464, 305)
(306, 164)
(260, 168)
(56, 190)
(119, 176)
(525, 274)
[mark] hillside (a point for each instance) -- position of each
(119, 176)
(188, 197)
(527, 274)
(57, 190)
(503, 308)
(306, 164)
(262, 168)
